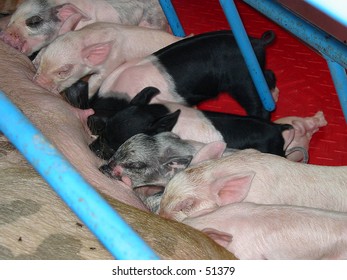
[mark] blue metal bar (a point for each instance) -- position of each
(318, 39)
(247, 51)
(172, 18)
(121, 241)
(338, 74)
(336, 9)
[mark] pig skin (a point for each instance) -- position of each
(62, 236)
(37, 23)
(273, 232)
(252, 176)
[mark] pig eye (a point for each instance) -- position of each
(135, 165)
(64, 72)
(34, 21)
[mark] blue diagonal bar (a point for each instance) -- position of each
(334, 51)
(172, 18)
(338, 74)
(248, 54)
(112, 231)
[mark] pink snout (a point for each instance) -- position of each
(118, 173)
(13, 39)
(45, 82)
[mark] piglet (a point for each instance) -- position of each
(37, 23)
(195, 69)
(297, 141)
(254, 231)
(239, 132)
(252, 176)
(96, 49)
(147, 163)
(188, 71)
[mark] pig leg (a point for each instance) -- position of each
(297, 143)
(249, 99)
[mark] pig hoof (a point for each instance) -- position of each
(302, 150)
(275, 94)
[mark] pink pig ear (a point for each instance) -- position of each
(222, 238)
(213, 150)
(96, 54)
(70, 16)
(232, 188)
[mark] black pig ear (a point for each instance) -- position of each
(144, 96)
(164, 124)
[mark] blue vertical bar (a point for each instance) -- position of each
(338, 73)
(121, 241)
(172, 18)
(245, 46)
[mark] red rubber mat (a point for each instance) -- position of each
(302, 75)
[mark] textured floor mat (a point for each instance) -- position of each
(303, 77)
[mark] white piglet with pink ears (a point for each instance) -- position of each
(218, 197)
(252, 176)
(36, 23)
(96, 50)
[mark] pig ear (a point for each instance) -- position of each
(222, 238)
(70, 16)
(165, 123)
(211, 150)
(96, 54)
(37, 59)
(232, 188)
(175, 164)
(144, 96)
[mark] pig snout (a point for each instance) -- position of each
(46, 83)
(275, 93)
(115, 172)
(13, 39)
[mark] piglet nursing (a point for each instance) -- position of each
(97, 49)
(187, 72)
(196, 69)
(252, 231)
(251, 176)
(239, 132)
(35, 223)
(37, 23)
(147, 163)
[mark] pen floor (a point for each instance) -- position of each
(303, 77)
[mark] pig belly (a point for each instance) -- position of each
(35, 224)
(132, 77)
(58, 115)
